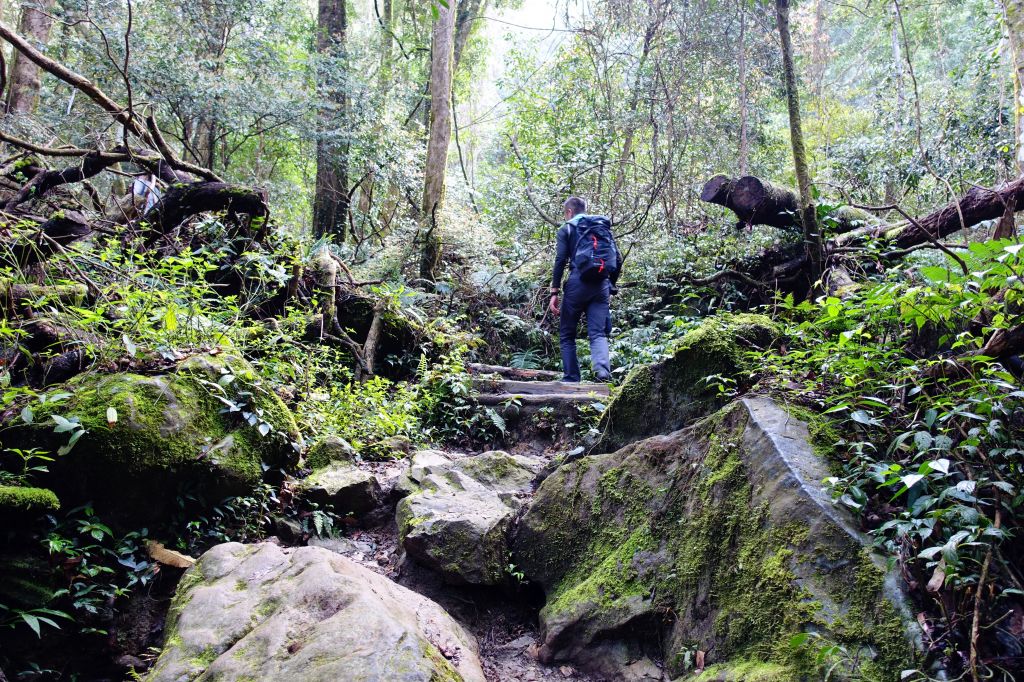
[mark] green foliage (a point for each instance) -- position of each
(929, 443)
(365, 413)
(445, 398)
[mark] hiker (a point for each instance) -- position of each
(586, 244)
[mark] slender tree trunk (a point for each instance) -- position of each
(331, 201)
(808, 211)
(441, 65)
(465, 18)
(744, 160)
(891, 189)
(386, 44)
(819, 50)
(34, 25)
(1013, 11)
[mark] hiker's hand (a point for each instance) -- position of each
(553, 304)
(614, 290)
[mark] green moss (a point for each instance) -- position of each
(746, 671)
(824, 435)
(325, 452)
(443, 670)
(666, 396)
(23, 499)
(172, 422)
(25, 581)
(203, 660)
(492, 467)
(873, 618)
(191, 579)
(711, 544)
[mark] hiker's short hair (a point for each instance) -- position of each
(576, 205)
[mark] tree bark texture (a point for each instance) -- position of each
(441, 65)
(468, 12)
(1013, 11)
(34, 25)
(808, 212)
(331, 199)
(977, 205)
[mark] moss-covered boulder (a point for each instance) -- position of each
(262, 612)
(344, 487)
(328, 451)
(457, 519)
(670, 394)
(142, 440)
(717, 538)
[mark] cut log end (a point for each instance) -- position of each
(716, 189)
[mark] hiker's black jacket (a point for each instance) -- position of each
(564, 252)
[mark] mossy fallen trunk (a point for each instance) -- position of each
(716, 538)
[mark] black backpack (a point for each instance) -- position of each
(594, 254)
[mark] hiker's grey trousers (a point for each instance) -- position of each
(592, 299)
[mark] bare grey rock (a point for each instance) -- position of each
(346, 487)
(261, 612)
(457, 517)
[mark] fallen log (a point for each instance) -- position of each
(1003, 345)
(184, 200)
(515, 372)
(42, 182)
(976, 206)
(63, 228)
(759, 202)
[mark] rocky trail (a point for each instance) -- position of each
(686, 537)
(497, 607)
(439, 524)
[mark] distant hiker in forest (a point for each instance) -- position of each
(587, 246)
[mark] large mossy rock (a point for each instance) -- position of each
(670, 394)
(457, 518)
(262, 612)
(716, 538)
(207, 425)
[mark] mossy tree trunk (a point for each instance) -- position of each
(441, 67)
(808, 212)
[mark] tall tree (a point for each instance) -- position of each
(34, 25)
(744, 107)
(442, 59)
(808, 212)
(331, 198)
(1013, 11)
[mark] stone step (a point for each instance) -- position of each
(514, 387)
(515, 372)
(536, 398)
